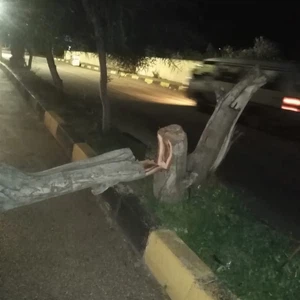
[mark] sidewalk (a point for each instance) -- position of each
(62, 248)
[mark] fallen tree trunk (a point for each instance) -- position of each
(99, 173)
(216, 138)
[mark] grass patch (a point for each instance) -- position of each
(245, 254)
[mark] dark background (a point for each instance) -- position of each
(193, 24)
(237, 23)
(176, 25)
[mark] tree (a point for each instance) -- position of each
(38, 26)
(265, 49)
(262, 49)
(228, 52)
(215, 141)
(113, 30)
(44, 26)
(112, 23)
(100, 24)
(125, 31)
(173, 170)
(14, 31)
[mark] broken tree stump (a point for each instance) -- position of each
(170, 185)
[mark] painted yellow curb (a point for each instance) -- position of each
(96, 68)
(113, 72)
(165, 84)
(89, 67)
(134, 77)
(149, 81)
(82, 151)
(52, 120)
(179, 270)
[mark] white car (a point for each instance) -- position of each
(278, 96)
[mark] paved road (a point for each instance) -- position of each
(63, 248)
(265, 166)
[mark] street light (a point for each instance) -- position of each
(2, 6)
(3, 9)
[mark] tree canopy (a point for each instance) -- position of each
(132, 28)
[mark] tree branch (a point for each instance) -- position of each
(217, 136)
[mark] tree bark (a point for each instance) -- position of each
(216, 138)
(170, 185)
(17, 59)
(100, 43)
(100, 173)
(106, 109)
(53, 70)
(29, 65)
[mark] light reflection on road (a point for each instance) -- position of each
(154, 96)
(174, 101)
(161, 99)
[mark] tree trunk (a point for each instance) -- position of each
(171, 185)
(106, 109)
(53, 70)
(99, 173)
(17, 59)
(29, 65)
(100, 43)
(216, 138)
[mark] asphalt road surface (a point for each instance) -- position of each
(62, 248)
(265, 166)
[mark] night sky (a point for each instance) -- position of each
(191, 24)
(237, 23)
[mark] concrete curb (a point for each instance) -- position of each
(173, 264)
(148, 80)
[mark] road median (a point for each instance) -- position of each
(126, 209)
(243, 255)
